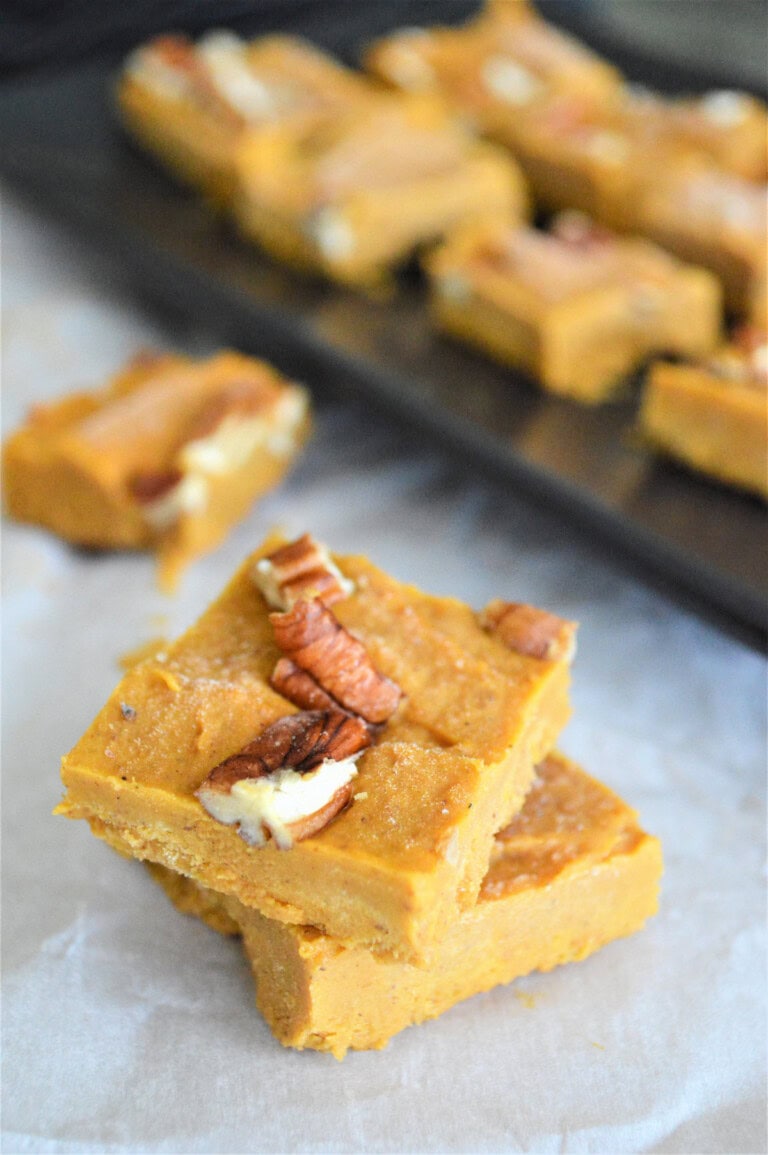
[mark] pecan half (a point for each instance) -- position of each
(291, 780)
(148, 487)
(297, 742)
(529, 630)
(311, 636)
(301, 569)
(241, 398)
(167, 495)
(300, 687)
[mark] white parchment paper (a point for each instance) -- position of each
(129, 1028)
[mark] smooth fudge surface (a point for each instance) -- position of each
(449, 769)
(570, 873)
(577, 307)
(191, 103)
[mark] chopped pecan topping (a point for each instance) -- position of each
(148, 487)
(529, 630)
(291, 780)
(175, 51)
(311, 636)
(237, 399)
(300, 687)
(297, 742)
(303, 569)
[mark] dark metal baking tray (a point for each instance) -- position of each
(702, 543)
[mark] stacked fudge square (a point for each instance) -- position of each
(360, 780)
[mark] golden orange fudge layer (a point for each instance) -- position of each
(572, 872)
(168, 456)
(714, 415)
(529, 86)
(329, 746)
(714, 219)
(353, 195)
(604, 157)
(577, 307)
(728, 128)
(189, 104)
(495, 68)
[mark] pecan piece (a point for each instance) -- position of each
(311, 636)
(300, 687)
(529, 630)
(291, 780)
(179, 55)
(148, 487)
(175, 51)
(241, 398)
(167, 495)
(301, 569)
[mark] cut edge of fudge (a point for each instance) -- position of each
(712, 416)
(563, 882)
(577, 307)
(344, 227)
(189, 103)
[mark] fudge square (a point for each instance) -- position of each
(729, 128)
(713, 415)
(353, 195)
(370, 810)
(572, 872)
(168, 456)
(190, 103)
(576, 307)
(495, 67)
(714, 219)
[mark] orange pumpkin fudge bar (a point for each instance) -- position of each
(572, 872)
(714, 415)
(577, 307)
(730, 129)
(577, 155)
(529, 86)
(189, 104)
(714, 219)
(491, 69)
(352, 196)
(329, 746)
(605, 158)
(168, 456)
